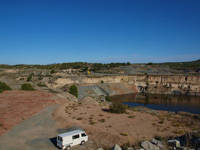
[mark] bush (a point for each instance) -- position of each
(4, 87)
(107, 98)
(1, 91)
(52, 71)
(27, 87)
(117, 107)
(73, 90)
(29, 78)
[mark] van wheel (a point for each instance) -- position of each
(83, 142)
(67, 148)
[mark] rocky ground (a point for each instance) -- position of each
(61, 111)
(31, 120)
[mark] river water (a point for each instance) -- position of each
(173, 103)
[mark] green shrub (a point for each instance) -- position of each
(4, 86)
(27, 87)
(73, 90)
(107, 98)
(117, 107)
(29, 78)
(1, 91)
(102, 81)
(52, 71)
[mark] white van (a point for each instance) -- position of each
(72, 138)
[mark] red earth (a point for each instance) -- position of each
(16, 106)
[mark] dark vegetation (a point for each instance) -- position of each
(117, 107)
(4, 87)
(29, 77)
(52, 71)
(107, 98)
(27, 87)
(83, 66)
(73, 90)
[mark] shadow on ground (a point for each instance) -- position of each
(54, 141)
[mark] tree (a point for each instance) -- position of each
(73, 90)
(128, 63)
(85, 69)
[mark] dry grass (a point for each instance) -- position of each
(102, 120)
(131, 116)
(123, 134)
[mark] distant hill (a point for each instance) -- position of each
(188, 64)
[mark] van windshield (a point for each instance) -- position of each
(59, 139)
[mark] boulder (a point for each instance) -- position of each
(129, 148)
(117, 147)
(174, 143)
(100, 149)
(181, 148)
(149, 146)
(158, 143)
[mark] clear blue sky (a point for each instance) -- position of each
(56, 31)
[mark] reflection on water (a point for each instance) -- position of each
(162, 102)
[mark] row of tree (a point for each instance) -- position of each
(83, 66)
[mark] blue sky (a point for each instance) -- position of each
(138, 31)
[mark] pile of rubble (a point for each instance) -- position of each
(189, 141)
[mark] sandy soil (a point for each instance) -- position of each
(16, 106)
(107, 129)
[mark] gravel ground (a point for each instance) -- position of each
(37, 132)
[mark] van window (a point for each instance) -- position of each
(59, 139)
(83, 134)
(75, 137)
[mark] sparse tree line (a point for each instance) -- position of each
(83, 66)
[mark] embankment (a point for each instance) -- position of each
(160, 84)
